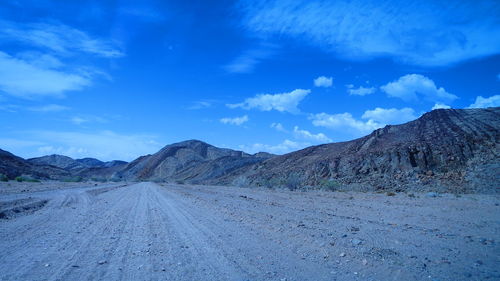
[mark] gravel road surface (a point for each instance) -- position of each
(146, 231)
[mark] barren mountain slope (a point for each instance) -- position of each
(60, 161)
(446, 149)
(14, 166)
(192, 160)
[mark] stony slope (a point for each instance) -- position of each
(191, 161)
(444, 150)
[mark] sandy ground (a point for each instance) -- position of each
(146, 231)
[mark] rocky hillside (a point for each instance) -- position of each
(191, 161)
(444, 150)
(13, 166)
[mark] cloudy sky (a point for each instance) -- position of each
(119, 79)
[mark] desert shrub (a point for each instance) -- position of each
(3, 177)
(73, 179)
(329, 184)
(271, 183)
(293, 181)
(118, 179)
(26, 179)
(99, 179)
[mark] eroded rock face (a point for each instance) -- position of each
(444, 150)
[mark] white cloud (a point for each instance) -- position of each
(440, 106)
(278, 127)
(49, 108)
(281, 148)
(22, 79)
(410, 86)
(344, 122)
(390, 115)
(323, 81)
(101, 145)
(361, 91)
(373, 119)
(481, 102)
(285, 102)
(58, 38)
(235, 121)
(303, 134)
(429, 33)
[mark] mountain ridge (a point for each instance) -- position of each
(452, 150)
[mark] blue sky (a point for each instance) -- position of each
(120, 79)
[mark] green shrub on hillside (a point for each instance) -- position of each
(293, 181)
(3, 177)
(26, 179)
(271, 183)
(99, 179)
(329, 184)
(73, 179)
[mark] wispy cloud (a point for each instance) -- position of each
(25, 80)
(101, 144)
(235, 121)
(360, 91)
(428, 33)
(79, 120)
(411, 86)
(49, 108)
(285, 102)
(200, 105)
(481, 102)
(323, 81)
(58, 38)
(48, 62)
(249, 59)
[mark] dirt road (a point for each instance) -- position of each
(146, 231)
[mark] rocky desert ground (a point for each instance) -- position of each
(149, 231)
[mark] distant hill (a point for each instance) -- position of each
(454, 150)
(71, 164)
(190, 161)
(60, 161)
(13, 166)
